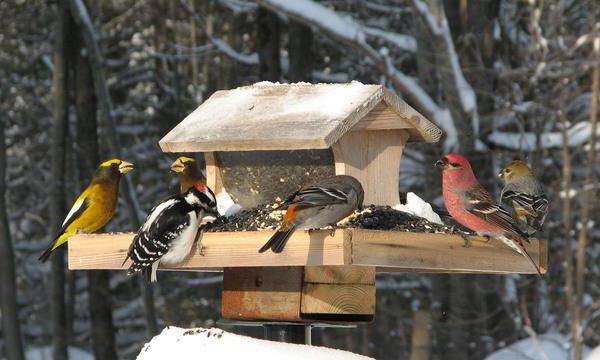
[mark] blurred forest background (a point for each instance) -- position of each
(88, 81)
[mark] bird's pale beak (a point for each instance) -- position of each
(441, 163)
(125, 167)
(501, 174)
(177, 166)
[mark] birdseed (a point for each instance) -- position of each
(268, 217)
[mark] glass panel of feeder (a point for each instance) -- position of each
(253, 178)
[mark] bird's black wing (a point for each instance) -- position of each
(536, 206)
(74, 214)
(319, 196)
(157, 234)
(480, 204)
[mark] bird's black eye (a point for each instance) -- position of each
(507, 171)
(455, 164)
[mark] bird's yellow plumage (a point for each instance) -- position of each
(95, 206)
(188, 171)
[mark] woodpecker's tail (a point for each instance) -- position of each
(149, 271)
(278, 240)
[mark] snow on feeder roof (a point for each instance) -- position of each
(273, 116)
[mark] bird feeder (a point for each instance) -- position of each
(263, 141)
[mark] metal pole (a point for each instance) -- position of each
(295, 334)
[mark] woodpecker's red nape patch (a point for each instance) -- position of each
(200, 187)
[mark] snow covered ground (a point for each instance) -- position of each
(594, 354)
(199, 343)
(551, 346)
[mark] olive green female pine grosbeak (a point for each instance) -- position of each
(524, 193)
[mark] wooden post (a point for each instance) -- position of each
(373, 157)
(298, 294)
(420, 335)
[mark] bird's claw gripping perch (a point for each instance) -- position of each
(333, 229)
(466, 239)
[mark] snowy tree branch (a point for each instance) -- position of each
(222, 46)
(453, 79)
(352, 33)
(577, 135)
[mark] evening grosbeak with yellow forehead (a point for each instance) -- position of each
(170, 230)
(525, 194)
(95, 206)
(189, 173)
(320, 204)
(473, 207)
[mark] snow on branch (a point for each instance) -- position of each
(199, 343)
(440, 29)
(238, 6)
(351, 33)
(403, 42)
(222, 46)
(578, 134)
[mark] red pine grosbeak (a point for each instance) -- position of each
(323, 203)
(473, 207)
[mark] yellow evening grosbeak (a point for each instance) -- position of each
(525, 194)
(188, 171)
(95, 206)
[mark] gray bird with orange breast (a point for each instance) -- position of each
(320, 204)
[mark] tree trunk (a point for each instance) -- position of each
(57, 197)
(300, 39)
(102, 329)
(8, 286)
(90, 36)
(268, 39)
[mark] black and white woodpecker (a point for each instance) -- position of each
(170, 230)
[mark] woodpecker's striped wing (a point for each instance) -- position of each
(536, 206)
(480, 204)
(165, 223)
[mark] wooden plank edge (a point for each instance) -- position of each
(221, 249)
(362, 236)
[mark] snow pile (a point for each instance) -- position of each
(45, 353)
(418, 207)
(182, 344)
(594, 354)
(551, 346)
(225, 204)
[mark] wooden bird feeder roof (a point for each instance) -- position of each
(272, 116)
